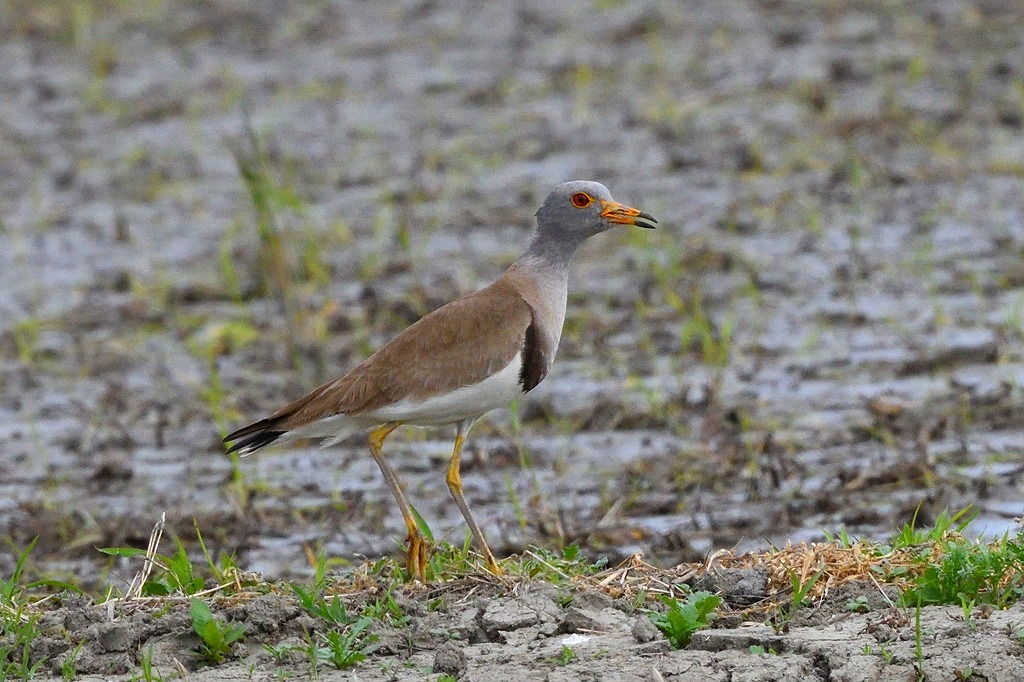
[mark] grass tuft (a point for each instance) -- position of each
(683, 618)
(217, 637)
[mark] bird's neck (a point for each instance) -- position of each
(544, 284)
(554, 252)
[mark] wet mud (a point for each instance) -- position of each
(827, 331)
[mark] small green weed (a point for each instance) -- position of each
(269, 199)
(966, 608)
(858, 604)
(16, 624)
(684, 618)
(347, 642)
(26, 339)
(945, 525)
(290, 249)
(225, 570)
(453, 560)
(800, 592)
(565, 656)
(314, 654)
(279, 652)
(422, 525)
(760, 650)
(543, 564)
(150, 673)
(700, 333)
(174, 573)
(320, 571)
(314, 603)
(212, 342)
(386, 610)
(918, 644)
(842, 538)
(970, 573)
(68, 671)
(14, 593)
(346, 648)
(11, 590)
(217, 638)
(16, 653)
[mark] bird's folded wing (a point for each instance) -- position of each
(459, 344)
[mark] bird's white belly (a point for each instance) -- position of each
(467, 402)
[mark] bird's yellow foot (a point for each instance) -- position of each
(417, 556)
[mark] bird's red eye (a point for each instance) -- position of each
(581, 200)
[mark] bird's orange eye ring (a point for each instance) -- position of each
(581, 200)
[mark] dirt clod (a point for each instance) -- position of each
(449, 658)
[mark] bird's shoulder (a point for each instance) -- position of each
(497, 312)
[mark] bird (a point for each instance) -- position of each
(477, 353)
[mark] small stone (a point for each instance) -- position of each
(117, 636)
(644, 630)
(580, 620)
(593, 600)
(449, 659)
(507, 615)
(269, 611)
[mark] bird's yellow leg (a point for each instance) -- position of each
(455, 486)
(416, 556)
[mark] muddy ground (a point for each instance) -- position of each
(828, 330)
(479, 630)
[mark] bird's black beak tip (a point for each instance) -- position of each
(646, 221)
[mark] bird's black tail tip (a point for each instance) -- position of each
(253, 441)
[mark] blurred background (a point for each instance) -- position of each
(208, 208)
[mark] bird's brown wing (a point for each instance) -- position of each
(459, 344)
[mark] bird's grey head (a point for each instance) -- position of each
(579, 209)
